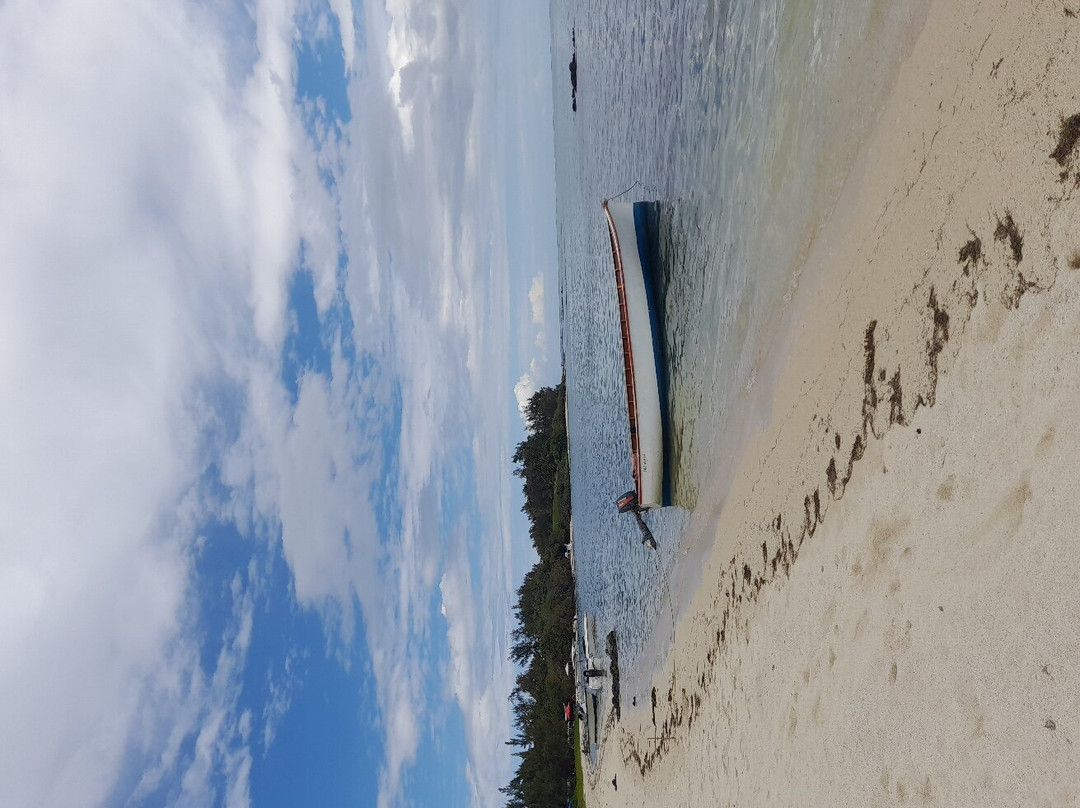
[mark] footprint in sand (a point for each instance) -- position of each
(991, 538)
(947, 489)
(1045, 442)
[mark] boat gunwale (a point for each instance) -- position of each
(628, 351)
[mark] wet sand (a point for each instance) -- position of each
(891, 609)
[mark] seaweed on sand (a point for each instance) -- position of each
(1008, 233)
(1070, 133)
(613, 654)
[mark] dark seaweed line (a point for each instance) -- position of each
(748, 585)
(744, 584)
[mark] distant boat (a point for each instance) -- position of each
(633, 252)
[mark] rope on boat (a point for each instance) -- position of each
(621, 193)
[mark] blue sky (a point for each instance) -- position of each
(276, 276)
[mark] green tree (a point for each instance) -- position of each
(540, 642)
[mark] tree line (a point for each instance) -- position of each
(542, 638)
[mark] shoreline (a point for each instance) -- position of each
(752, 411)
(959, 245)
(835, 175)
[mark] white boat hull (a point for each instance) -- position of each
(639, 317)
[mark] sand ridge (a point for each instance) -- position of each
(888, 614)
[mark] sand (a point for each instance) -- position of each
(891, 611)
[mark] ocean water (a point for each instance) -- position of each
(741, 118)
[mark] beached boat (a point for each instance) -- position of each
(633, 252)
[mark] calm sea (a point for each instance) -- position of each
(742, 118)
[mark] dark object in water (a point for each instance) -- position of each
(628, 503)
(646, 534)
(573, 82)
(573, 69)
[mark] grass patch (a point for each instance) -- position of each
(579, 773)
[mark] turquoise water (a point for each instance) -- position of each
(742, 118)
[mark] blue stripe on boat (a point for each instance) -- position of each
(648, 252)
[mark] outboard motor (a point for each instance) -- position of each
(628, 502)
(646, 534)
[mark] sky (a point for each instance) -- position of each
(275, 276)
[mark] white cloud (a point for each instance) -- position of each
(424, 229)
(146, 228)
(281, 690)
(156, 192)
(536, 299)
(526, 387)
(343, 10)
(480, 676)
(529, 382)
(222, 745)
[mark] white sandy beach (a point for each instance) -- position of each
(891, 611)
